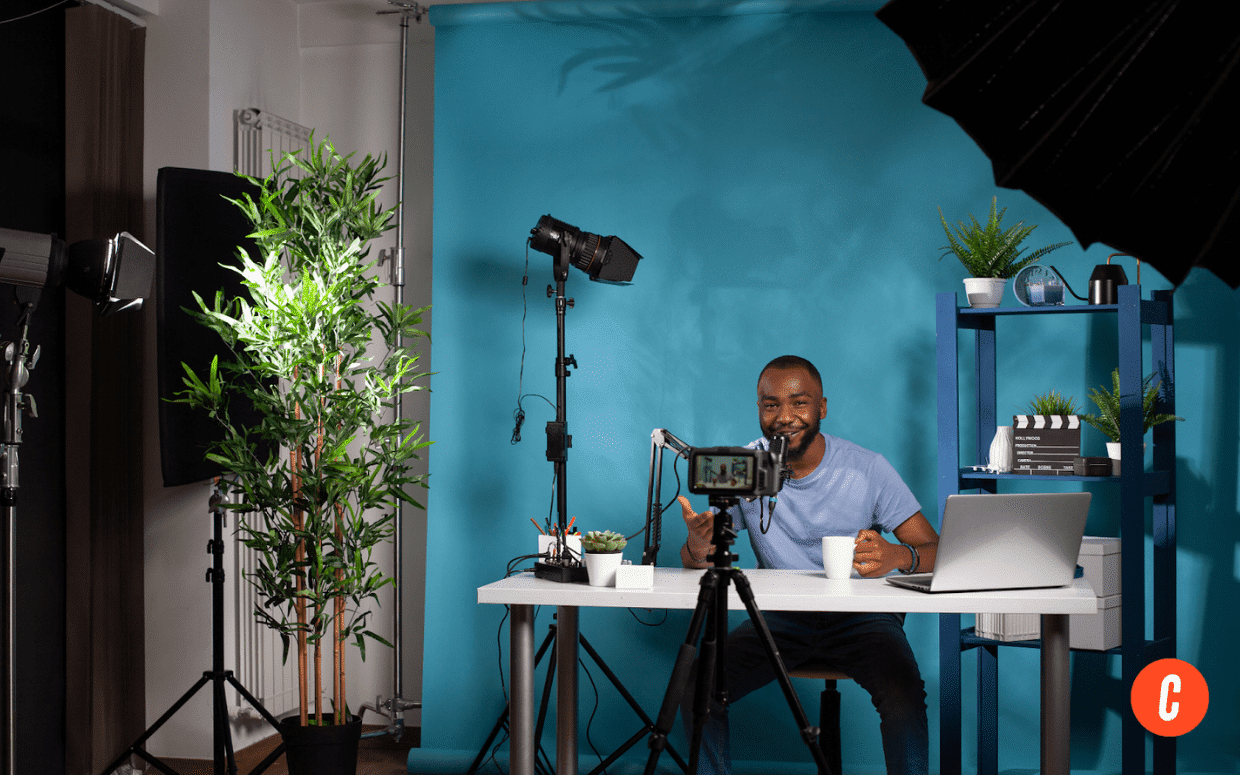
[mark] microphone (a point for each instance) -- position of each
(779, 448)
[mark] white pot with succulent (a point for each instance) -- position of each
(990, 253)
(602, 552)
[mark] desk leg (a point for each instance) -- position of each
(521, 706)
(1056, 695)
(566, 691)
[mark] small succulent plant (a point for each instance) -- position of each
(602, 541)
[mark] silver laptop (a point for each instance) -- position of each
(1005, 541)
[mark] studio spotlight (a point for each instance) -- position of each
(113, 273)
(604, 259)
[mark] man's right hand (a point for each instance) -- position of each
(701, 528)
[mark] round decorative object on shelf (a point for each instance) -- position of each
(1038, 286)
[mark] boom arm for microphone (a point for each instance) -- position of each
(660, 439)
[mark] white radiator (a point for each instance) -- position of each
(259, 650)
(256, 134)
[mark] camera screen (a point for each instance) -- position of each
(723, 472)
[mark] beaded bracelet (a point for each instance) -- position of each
(916, 560)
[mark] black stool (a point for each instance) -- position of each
(829, 709)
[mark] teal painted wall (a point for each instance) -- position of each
(781, 178)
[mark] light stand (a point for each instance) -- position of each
(217, 676)
(712, 607)
(15, 378)
(604, 259)
(565, 568)
(113, 273)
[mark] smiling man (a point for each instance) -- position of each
(836, 488)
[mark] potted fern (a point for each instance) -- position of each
(601, 552)
(1107, 419)
(316, 481)
(990, 253)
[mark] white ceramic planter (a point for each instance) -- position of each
(984, 292)
(1113, 453)
(601, 567)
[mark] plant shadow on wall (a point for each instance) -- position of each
(687, 46)
(323, 360)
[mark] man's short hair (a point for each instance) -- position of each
(792, 362)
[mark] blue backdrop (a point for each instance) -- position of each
(774, 165)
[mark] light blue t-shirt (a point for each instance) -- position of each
(852, 489)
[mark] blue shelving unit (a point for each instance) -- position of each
(1132, 314)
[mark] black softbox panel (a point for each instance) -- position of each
(198, 229)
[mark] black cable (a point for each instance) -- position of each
(499, 653)
(592, 712)
(633, 613)
(675, 495)
(33, 13)
(518, 414)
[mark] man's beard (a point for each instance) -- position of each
(807, 438)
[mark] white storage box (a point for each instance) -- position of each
(1008, 627)
(1100, 558)
(1096, 632)
(634, 576)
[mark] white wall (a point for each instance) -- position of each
(332, 66)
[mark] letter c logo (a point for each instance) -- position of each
(1164, 712)
(1170, 697)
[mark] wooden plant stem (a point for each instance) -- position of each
(338, 614)
(294, 455)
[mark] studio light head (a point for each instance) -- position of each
(113, 273)
(604, 259)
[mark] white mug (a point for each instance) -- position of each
(837, 556)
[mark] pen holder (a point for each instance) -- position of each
(549, 543)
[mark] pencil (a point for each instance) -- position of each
(536, 527)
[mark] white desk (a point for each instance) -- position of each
(774, 590)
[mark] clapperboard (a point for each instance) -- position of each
(1045, 444)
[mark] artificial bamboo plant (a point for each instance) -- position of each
(324, 362)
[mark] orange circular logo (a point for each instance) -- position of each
(1170, 697)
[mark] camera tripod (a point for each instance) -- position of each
(712, 609)
(542, 762)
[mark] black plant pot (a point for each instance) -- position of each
(329, 749)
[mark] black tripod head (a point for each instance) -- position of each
(724, 534)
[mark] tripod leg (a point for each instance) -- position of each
(225, 759)
(545, 703)
(809, 733)
(136, 748)
(681, 671)
(705, 689)
(615, 681)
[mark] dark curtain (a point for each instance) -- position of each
(32, 199)
(104, 386)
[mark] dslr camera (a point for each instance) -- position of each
(738, 472)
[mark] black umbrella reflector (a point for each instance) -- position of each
(1116, 116)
